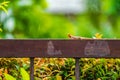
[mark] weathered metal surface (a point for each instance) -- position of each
(77, 69)
(31, 68)
(60, 48)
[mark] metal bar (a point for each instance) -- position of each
(77, 69)
(60, 48)
(32, 68)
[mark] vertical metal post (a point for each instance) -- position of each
(32, 68)
(77, 69)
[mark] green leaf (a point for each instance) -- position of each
(4, 9)
(9, 77)
(73, 77)
(24, 74)
(0, 30)
(58, 77)
(0, 78)
(6, 2)
(3, 5)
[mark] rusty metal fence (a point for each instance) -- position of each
(50, 48)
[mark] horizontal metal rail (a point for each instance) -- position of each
(60, 49)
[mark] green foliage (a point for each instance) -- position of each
(0, 30)
(54, 69)
(25, 75)
(12, 66)
(9, 77)
(63, 69)
(90, 69)
(33, 21)
(3, 6)
(101, 68)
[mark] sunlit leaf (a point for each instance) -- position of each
(0, 78)
(24, 74)
(58, 77)
(9, 77)
(98, 36)
(98, 79)
(4, 9)
(3, 5)
(1, 30)
(73, 77)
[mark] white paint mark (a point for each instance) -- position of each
(97, 48)
(51, 49)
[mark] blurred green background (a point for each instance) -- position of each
(30, 19)
(33, 19)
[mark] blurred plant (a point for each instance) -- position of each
(99, 69)
(9, 77)
(25, 75)
(3, 6)
(55, 69)
(98, 36)
(12, 66)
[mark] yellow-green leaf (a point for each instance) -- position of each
(58, 77)
(73, 77)
(4, 9)
(1, 30)
(24, 74)
(9, 77)
(3, 5)
(0, 78)
(98, 36)
(5, 2)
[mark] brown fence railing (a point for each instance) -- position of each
(60, 49)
